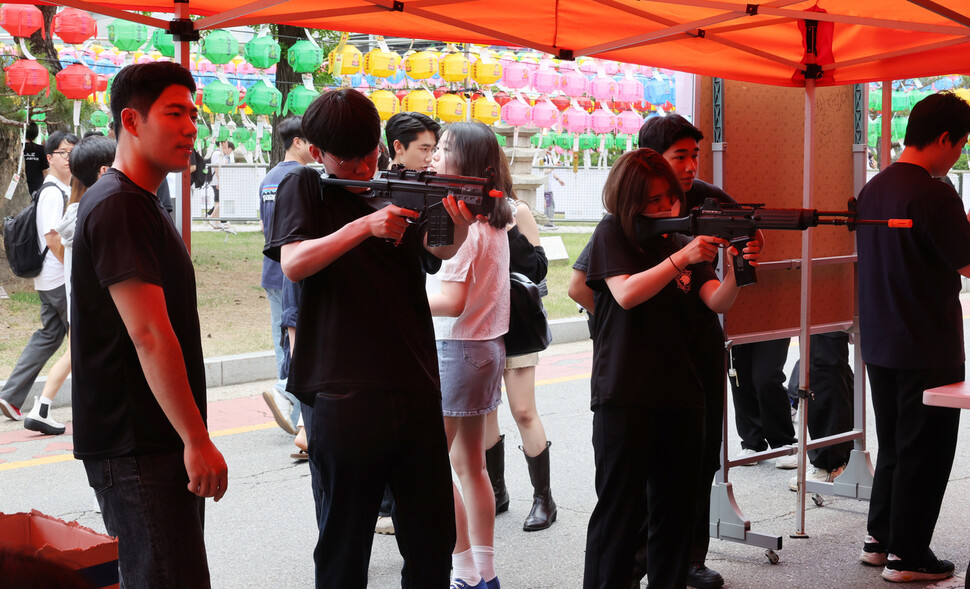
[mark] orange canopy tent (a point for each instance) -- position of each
(855, 41)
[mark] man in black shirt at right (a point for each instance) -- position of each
(35, 160)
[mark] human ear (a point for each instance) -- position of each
(315, 153)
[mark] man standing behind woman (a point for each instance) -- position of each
(472, 316)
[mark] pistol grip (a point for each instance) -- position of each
(744, 272)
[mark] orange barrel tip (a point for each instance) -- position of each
(900, 223)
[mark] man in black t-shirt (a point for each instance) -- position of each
(35, 160)
(139, 378)
(365, 354)
(911, 328)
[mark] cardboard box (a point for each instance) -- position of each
(94, 555)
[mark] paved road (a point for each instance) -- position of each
(262, 533)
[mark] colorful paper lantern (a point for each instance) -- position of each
(219, 46)
(420, 65)
(589, 141)
(629, 122)
(486, 74)
(223, 134)
(515, 75)
(220, 97)
(250, 144)
(485, 110)
(629, 90)
(241, 135)
(264, 100)
(299, 99)
(350, 60)
(203, 131)
(586, 104)
(420, 101)
(163, 42)
(602, 121)
(451, 108)
(304, 57)
(27, 77)
(74, 26)
(126, 35)
(380, 63)
(575, 120)
(574, 84)
(516, 113)
(76, 81)
(560, 102)
(21, 20)
(603, 88)
(546, 81)
(453, 67)
(266, 143)
(386, 102)
(545, 114)
(99, 118)
(502, 98)
(262, 52)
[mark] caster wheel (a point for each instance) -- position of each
(772, 556)
(818, 500)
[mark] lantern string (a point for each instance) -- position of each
(23, 47)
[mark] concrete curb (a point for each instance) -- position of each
(223, 371)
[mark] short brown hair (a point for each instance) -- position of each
(628, 186)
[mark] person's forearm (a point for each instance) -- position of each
(306, 258)
(630, 291)
(723, 296)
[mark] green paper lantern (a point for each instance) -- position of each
(589, 141)
(610, 141)
(250, 144)
(220, 97)
(126, 35)
(220, 47)
(264, 100)
(203, 131)
(163, 42)
(223, 134)
(266, 143)
(304, 57)
(564, 140)
(241, 135)
(262, 52)
(500, 139)
(39, 117)
(535, 140)
(99, 118)
(299, 99)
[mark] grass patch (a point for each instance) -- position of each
(557, 303)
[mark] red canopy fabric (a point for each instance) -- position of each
(859, 40)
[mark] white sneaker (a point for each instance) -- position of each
(7, 408)
(281, 408)
(745, 452)
(39, 420)
(787, 462)
(816, 474)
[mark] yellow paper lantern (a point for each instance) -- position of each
(450, 108)
(485, 110)
(421, 65)
(386, 102)
(351, 63)
(453, 67)
(486, 74)
(381, 63)
(420, 101)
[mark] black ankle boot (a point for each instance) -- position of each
(495, 465)
(543, 512)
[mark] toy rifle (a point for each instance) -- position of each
(423, 192)
(738, 224)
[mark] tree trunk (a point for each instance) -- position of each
(286, 79)
(43, 46)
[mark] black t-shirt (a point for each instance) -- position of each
(642, 356)
(122, 233)
(364, 320)
(35, 162)
(909, 288)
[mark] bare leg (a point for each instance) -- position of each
(492, 432)
(58, 374)
(468, 459)
(520, 385)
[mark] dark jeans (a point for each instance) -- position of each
(643, 455)
(917, 443)
(830, 408)
(762, 411)
(362, 441)
(159, 524)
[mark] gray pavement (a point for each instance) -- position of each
(262, 533)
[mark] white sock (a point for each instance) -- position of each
(463, 567)
(485, 561)
(45, 401)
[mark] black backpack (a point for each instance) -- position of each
(20, 238)
(202, 174)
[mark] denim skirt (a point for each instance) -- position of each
(471, 376)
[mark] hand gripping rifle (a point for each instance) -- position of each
(738, 224)
(423, 192)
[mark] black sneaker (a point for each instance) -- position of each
(873, 553)
(701, 577)
(932, 569)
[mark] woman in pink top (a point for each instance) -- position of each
(471, 316)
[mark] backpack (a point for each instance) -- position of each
(202, 174)
(20, 238)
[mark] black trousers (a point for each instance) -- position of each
(830, 408)
(917, 443)
(647, 465)
(762, 411)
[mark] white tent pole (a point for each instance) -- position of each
(183, 190)
(885, 133)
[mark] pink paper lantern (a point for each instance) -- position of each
(589, 67)
(516, 113)
(603, 88)
(646, 70)
(515, 75)
(545, 114)
(602, 121)
(612, 68)
(575, 120)
(144, 59)
(271, 70)
(574, 84)
(205, 65)
(629, 90)
(230, 68)
(628, 122)
(546, 81)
